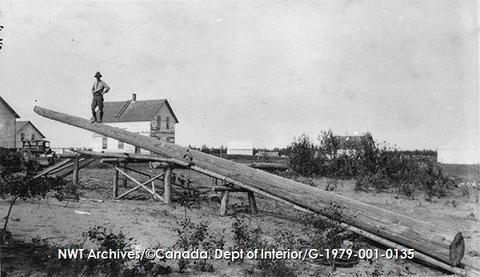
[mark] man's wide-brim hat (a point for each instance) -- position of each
(98, 74)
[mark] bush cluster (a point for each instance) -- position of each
(371, 164)
(44, 256)
(16, 183)
(192, 236)
(249, 238)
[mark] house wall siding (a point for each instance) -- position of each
(27, 130)
(7, 127)
(160, 131)
(142, 128)
(151, 128)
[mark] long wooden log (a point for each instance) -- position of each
(269, 166)
(432, 240)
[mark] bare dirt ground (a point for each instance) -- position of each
(151, 222)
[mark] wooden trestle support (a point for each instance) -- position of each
(120, 164)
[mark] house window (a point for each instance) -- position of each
(104, 143)
(159, 122)
(120, 145)
(168, 122)
(22, 136)
(33, 136)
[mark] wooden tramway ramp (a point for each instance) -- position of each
(64, 168)
(431, 242)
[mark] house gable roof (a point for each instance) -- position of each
(22, 124)
(9, 107)
(350, 142)
(131, 111)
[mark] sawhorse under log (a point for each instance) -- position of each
(225, 195)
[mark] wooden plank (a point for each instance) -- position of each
(75, 171)
(230, 189)
(138, 187)
(65, 166)
(224, 203)
(128, 192)
(137, 171)
(130, 156)
(427, 238)
(115, 183)
(167, 183)
(124, 178)
(53, 167)
(141, 184)
(67, 171)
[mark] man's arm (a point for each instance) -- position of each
(106, 88)
(93, 88)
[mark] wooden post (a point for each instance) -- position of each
(167, 185)
(75, 171)
(124, 178)
(224, 203)
(115, 183)
(153, 187)
(252, 202)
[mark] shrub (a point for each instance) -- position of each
(372, 165)
(107, 240)
(189, 197)
(46, 257)
(302, 156)
(192, 236)
(15, 183)
(247, 238)
(327, 233)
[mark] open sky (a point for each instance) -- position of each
(260, 71)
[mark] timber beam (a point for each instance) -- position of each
(427, 239)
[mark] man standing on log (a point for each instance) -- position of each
(99, 88)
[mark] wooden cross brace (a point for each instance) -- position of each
(140, 185)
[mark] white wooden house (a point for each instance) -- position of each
(458, 156)
(13, 132)
(154, 118)
(8, 118)
(244, 148)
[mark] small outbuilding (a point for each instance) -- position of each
(26, 131)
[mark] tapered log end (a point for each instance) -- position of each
(38, 110)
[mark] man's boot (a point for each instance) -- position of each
(101, 117)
